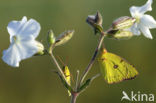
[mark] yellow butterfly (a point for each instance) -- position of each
(66, 72)
(115, 69)
(67, 75)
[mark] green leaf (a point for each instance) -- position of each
(87, 83)
(67, 86)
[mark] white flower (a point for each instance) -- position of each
(22, 41)
(143, 22)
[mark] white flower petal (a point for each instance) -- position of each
(23, 44)
(148, 21)
(137, 11)
(17, 52)
(11, 56)
(27, 49)
(14, 26)
(135, 30)
(134, 10)
(146, 7)
(145, 30)
(28, 38)
(32, 27)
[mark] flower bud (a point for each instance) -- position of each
(96, 22)
(121, 28)
(64, 37)
(123, 35)
(123, 22)
(98, 18)
(120, 34)
(50, 38)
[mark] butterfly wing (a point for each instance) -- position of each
(67, 75)
(115, 68)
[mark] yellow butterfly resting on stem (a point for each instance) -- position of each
(66, 72)
(115, 69)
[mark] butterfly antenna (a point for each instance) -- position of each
(66, 62)
(72, 78)
(60, 60)
(103, 46)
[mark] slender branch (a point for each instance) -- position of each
(57, 65)
(92, 60)
(77, 79)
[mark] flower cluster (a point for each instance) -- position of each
(143, 22)
(23, 33)
(126, 27)
(23, 43)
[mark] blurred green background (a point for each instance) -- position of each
(34, 81)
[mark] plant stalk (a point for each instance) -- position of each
(74, 97)
(92, 60)
(58, 67)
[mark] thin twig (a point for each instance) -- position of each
(77, 79)
(92, 60)
(75, 95)
(57, 65)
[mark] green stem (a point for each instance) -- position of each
(58, 67)
(77, 80)
(92, 60)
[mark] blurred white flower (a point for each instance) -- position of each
(143, 22)
(22, 41)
